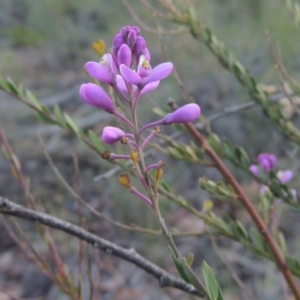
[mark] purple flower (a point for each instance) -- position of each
(263, 189)
(285, 176)
(267, 161)
(141, 79)
(124, 55)
(96, 96)
(294, 194)
(104, 71)
(254, 170)
(185, 114)
(111, 135)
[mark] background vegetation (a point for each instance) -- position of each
(45, 44)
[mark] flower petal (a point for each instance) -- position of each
(121, 84)
(129, 75)
(111, 135)
(96, 96)
(254, 170)
(160, 72)
(184, 114)
(149, 87)
(99, 72)
(124, 55)
(285, 176)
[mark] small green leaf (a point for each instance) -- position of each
(72, 125)
(45, 118)
(20, 90)
(242, 229)
(212, 286)
(11, 86)
(58, 116)
(96, 141)
(33, 100)
(180, 268)
(165, 186)
(242, 157)
(159, 112)
(281, 240)
(257, 239)
(190, 259)
(3, 84)
(191, 152)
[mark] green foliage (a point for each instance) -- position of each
(211, 283)
(180, 267)
(190, 153)
(23, 36)
(219, 189)
(235, 154)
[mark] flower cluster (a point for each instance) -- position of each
(267, 163)
(127, 69)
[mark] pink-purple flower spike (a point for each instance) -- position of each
(127, 69)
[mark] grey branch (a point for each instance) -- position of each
(165, 279)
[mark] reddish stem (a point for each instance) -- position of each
(250, 208)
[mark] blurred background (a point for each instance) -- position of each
(45, 44)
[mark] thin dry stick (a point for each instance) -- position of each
(148, 28)
(230, 271)
(248, 205)
(165, 279)
(77, 188)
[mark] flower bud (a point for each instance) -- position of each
(124, 180)
(105, 155)
(99, 47)
(111, 135)
(140, 46)
(254, 170)
(267, 161)
(124, 55)
(159, 173)
(117, 42)
(185, 114)
(285, 176)
(96, 96)
(104, 71)
(131, 39)
(134, 157)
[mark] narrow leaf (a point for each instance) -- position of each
(179, 267)
(211, 283)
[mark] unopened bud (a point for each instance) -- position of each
(190, 259)
(159, 174)
(162, 163)
(124, 140)
(124, 180)
(105, 155)
(208, 205)
(99, 47)
(134, 157)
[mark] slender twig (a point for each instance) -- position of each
(148, 28)
(165, 279)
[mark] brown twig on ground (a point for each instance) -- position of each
(247, 204)
(165, 279)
